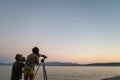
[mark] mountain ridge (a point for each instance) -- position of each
(71, 64)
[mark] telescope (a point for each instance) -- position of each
(44, 56)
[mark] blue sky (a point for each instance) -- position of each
(82, 31)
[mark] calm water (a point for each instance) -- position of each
(68, 73)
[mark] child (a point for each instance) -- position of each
(30, 62)
(17, 67)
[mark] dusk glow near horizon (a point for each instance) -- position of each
(80, 31)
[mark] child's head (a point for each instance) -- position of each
(35, 50)
(19, 57)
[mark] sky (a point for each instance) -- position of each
(79, 31)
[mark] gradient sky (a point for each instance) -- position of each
(81, 31)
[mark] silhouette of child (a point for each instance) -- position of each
(31, 61)
(17, 67)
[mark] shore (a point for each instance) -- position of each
(113, 78)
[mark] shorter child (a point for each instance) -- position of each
(17, 67)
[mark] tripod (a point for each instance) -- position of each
(44, 69)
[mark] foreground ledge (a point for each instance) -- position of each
(112, 78)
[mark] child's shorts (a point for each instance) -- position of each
(29, 72)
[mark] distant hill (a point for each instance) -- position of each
(5, 64)
(104, 64)
(49, 64)
(70, 64)
(76, 64)
(61, 64)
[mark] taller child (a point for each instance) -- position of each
(31, 61)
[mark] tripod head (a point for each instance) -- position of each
(42, 60)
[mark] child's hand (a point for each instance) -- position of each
(39, 55)
(23, 59)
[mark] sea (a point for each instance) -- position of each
(68, 72)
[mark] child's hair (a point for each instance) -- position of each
(35, 50)
(18, 57)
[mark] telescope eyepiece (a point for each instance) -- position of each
(44, 56)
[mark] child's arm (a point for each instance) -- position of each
(37, 60)
(22, 62)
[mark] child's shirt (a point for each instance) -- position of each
(30, 62)
(17, 71)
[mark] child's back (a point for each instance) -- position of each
(17, 71)
(30, 61)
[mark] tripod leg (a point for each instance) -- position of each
(44, 72)
(37, 70)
